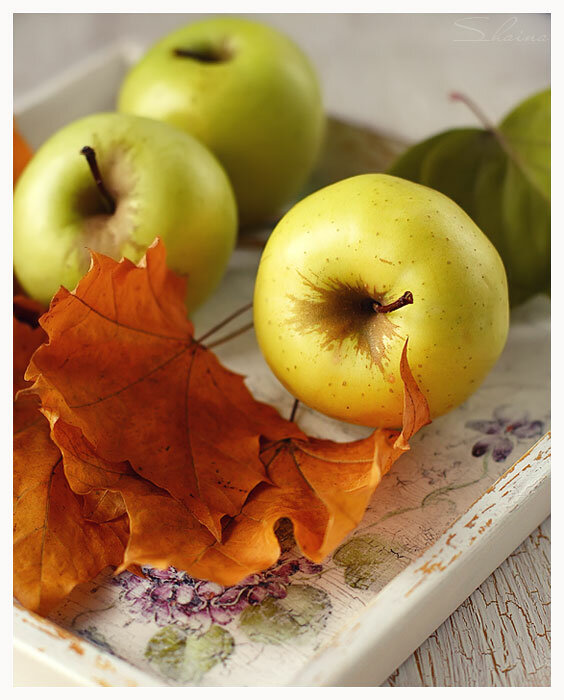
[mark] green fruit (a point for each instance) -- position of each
(248, 93)
(162, 183)
(341, 256)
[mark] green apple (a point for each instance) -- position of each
(248, 93)
(153, 180)
(354, 270)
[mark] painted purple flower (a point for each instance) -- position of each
(503, 431)
(172, 597)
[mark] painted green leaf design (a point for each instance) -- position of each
(203, 652)
(185, 655)
(501, 178)
(302, 613)
(368, 559)
(165, 650)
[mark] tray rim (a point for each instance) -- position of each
(346, 660)
(515, 504)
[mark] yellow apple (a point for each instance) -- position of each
(354, 270)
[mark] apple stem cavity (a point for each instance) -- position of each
(90, 155)
(207, 55)
(406, 298)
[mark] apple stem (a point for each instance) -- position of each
(294, 409)
(406, 298)
(230, 336)
(90, 155)
(225, 321)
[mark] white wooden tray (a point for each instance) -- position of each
(438, 525)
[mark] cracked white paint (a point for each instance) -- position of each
(500, 635)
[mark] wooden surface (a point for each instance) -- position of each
(500, 636)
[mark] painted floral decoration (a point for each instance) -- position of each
(502, 433)
(172, 597)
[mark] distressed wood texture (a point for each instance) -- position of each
(500, 636)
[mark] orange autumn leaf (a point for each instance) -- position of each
(22, 153)
(163, 531)
(27, 337)
(147, 420)
(102, 505)
(122, 365)
(55, 548)
(322, 486)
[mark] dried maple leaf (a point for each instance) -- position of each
(27, 337)
(55, 548)
(163, 530)
(123, 367)
(322, 486)
(147, 420)
(102, 505)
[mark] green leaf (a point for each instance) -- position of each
(186, 655)
(302, 613)
(527, 131)
(501, 178)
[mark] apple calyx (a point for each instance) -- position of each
(406, 298)
(90, 155)
(204, 55)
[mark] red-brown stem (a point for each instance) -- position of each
(90, 155)
(473, 107)
(406, 298)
